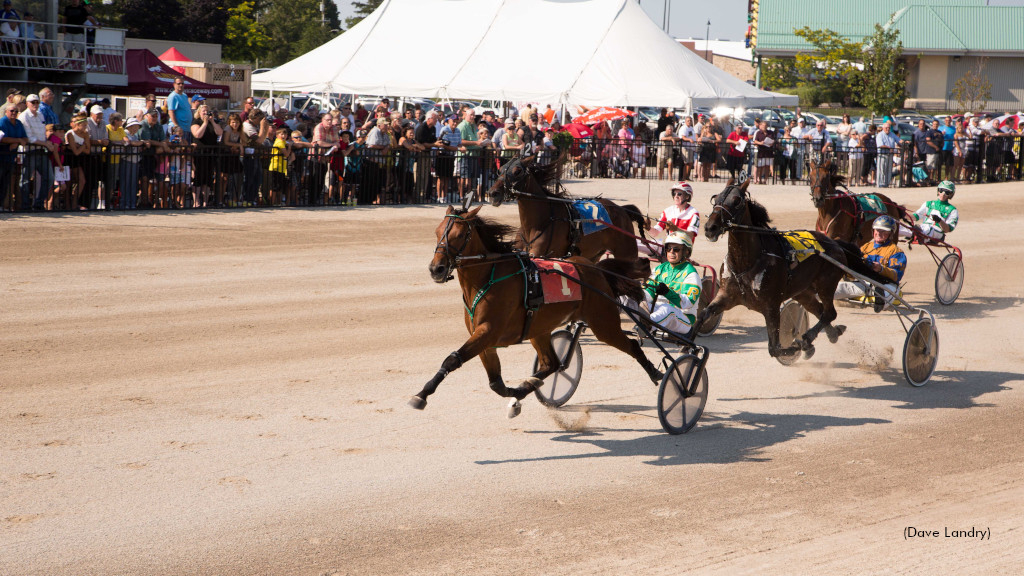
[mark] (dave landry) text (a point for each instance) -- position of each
(946, 532)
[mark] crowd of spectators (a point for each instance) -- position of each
(178, 152)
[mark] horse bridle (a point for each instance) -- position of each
(443, 247)
(818, 186)
(718, 203)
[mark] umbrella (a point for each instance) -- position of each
(602, 114)
(578, 130)
(1011, 120)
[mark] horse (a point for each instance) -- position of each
(840, 215)
(761, 277)
(475, 249)
(547, 219)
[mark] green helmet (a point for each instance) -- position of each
(948, 187)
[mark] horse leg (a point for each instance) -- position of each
(771, 323)
(489, 358)
(610, 332)
(811, 303)
(477, 343)
(828, 314)
(727, 298)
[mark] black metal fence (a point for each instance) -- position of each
(133, 177)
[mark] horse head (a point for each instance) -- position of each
(454, 236)
(511, 178)
(727, 207)
(822, 178)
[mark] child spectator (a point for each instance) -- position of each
(280, 154)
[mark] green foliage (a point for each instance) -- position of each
(973, 90)
(246, 38)
(882, 85)
(562, 140)
(362, 10)
(832, 63)
(287, 22)
(778, 73)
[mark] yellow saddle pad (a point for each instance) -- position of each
(803, 243)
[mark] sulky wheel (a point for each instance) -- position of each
(949, 279)
(679, 408)
(792, 325)
(920, 352)
(708, 290)
(561, 385)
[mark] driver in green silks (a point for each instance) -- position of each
(673, 290)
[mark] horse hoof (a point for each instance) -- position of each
(532, 383)
(808, 352)
(514, 408)
(834, 334)
(417, 402)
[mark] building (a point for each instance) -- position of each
(942, 40)
(733, 57)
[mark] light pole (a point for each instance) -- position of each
(707, 40)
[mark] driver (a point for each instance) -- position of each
(885, 257)
(673, 290)
(936, 218)
(679, 217)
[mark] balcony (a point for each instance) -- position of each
(62, 54)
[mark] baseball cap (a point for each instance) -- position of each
(13, 91)
(105, 101)
(96, 109)
(361, 134)
(198, 98)
(32, 98)
(802, 120)
(131, 122)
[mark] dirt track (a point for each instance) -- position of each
(224, 393)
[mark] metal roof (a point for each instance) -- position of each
(961, 29)
(853, 20)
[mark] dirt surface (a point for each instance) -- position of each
(225, 393)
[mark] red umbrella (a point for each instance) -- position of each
(602, 114)
(1011, 120)
(579, 130)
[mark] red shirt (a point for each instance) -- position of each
(732, 147)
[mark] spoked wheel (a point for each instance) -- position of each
(949, 279)
(679, 407)
(560, 386)
(792, 325)
(709, 288)
(920, 352)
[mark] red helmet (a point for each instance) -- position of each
(683, 187)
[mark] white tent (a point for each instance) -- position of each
(571, 52)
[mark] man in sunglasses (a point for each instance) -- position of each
(936, 218)
(680, 217)
(179, 108)
(672, 292)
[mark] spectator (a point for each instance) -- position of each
(935, 141)
(860, 127)
(107, 110)
(206, 133)
(325, 141)
(888, 144)
(178, 167)
(147, 105)
(11, 93)
(408, 149)
(154, 141)
(920, 139)
(378, 142)
(448, 143)
(178, 106)
(948, 132)
(77, 158)
(13, 135)
(666, 151)
(784, 155)
(708, 152)
(247, 107)
(843, 131)
(856, 152)
(57, 196)
(718, 133)
(820, 141)
(280, 155)
(46, 97)
(688, 144)
(115, 135)
(257, 130)
(75, 16)
(870, 143)
(667, 118)
(10, 34)
(426, 135)
(96, 167)
(37, 171)
(765, 140)
(234, 138)
(737, 152)
(798, 134)
(129, 174)
(469, 160)
(960, 140)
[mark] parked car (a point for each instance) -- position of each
(772, 117)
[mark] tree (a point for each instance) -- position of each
(882, 85)
(205, 20)
(287, 23)
(140, 19)
(362, 10)
(247, 40)
(833, 63)
(778, 73)
(972, 90)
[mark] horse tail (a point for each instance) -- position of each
(623, 276)
(855, 261)
(636, 216)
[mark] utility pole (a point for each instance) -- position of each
(707, 41)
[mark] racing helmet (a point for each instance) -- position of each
(681, 239)
(884, 223)
(948, 187)
(683, 187)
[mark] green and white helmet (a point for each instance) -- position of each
(948, 187)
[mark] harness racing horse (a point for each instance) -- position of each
(491, 275)
(840, 214)
(547, 219)
(761, 277)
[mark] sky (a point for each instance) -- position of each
(689, 18)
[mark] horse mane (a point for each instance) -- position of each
(549, 173)
(837, 180)
(758, 213)
(497, 237)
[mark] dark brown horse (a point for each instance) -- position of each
(760, 275)
(547, 219)
(491, 276)
(840, 215)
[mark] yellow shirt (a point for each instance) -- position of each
(279, 157)
(116, 135)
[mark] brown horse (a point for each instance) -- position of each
(491, 276)
(548, 221)
(761, 276)
(840, 215)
